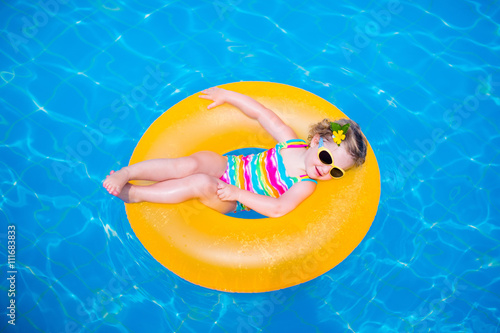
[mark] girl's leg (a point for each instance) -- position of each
(198, 186)
(160, 169)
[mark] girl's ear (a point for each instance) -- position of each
(315, 140)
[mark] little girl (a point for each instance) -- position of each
(272, 182)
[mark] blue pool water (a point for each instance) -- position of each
(81, 81)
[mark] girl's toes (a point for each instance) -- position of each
(112, 172)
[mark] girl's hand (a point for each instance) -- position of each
(218, 95)
(227, 192)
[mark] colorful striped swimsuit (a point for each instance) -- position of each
(263, 173)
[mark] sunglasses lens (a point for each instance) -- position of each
(325, 157)
(336, 173)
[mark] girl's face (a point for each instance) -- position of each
(315, 169)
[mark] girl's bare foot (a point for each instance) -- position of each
(115, 181)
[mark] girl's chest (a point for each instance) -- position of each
(290, 161)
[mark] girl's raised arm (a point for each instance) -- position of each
(267, 118)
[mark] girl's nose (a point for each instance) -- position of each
(324, 169)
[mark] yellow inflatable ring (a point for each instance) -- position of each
(243, 255)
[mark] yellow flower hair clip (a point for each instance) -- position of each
(338, 132)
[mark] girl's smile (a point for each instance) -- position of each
(319, 175)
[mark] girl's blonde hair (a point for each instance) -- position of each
(354, 142)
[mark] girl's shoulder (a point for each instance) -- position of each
(292, 143)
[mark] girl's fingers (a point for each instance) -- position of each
(221, 193)
(207, 91)
(214, 104)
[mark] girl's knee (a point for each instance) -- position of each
(210, 163)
